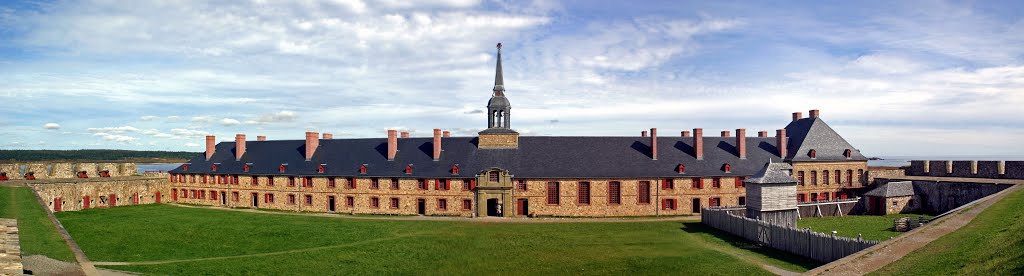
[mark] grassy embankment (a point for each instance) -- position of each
(877, 228)
(277, 244)
(991, 244)
(35, 230)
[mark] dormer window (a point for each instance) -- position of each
(455, 169)
(848, 153)
(681, 168)
(408, 169)
(362, 169)
(727, 168)
(321, 168)
(213, 167)
(282, 167)
(813, 154)
(184, 167)
(246, 168)
(493, 176)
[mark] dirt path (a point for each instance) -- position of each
(259, 254)
(432, 218)
(732, 251)
(892, 250)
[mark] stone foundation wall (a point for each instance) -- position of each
(74, 194)
(10, 248)
(13, 171)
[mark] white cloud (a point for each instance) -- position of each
(115, 137)
(279, 117)
(148, 118)
(202, 119)
(229, 122)
(192, 145)
(51, 126)
(120, 129)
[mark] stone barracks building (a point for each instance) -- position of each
(499, 173)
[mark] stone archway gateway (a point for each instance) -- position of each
(494, 193)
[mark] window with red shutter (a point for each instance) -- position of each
(351, 183)
(375, 202)
(309, 200)
(270, 181)
(442, 204)
(320, 169)
(583, 193)
(291, 181)
(552, 193)
(350, 201)
(644, 192)
(667, 184)
(421, 184)
(394, 203)
(825, 178)
(697, 183)
(681, 168)
(408, 169)
(331, 182)
(614, 193)
(521, 184)
(455, 169)
(362, 169)
(394, 184)
(291, 199)
(716, 182)
(467, 204)
(374, 183)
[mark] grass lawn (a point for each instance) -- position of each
(279, 244)
(991, 244)
(35, 230)
(877, 228)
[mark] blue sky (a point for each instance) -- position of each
(895, 78)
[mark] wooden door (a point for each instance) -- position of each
(158, 197)
(135, 199)
(85, 202)
(57, 204)
(113, 200)
(521, 207)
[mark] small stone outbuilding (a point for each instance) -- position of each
(893, 198)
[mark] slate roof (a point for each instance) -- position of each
(813, 133)
(773, 173)
(536, 157)
(893, 189)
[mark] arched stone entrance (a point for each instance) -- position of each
(494, 193)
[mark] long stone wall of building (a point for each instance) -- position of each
(941, 196)
(967, 168)
(73, 194)
(60, 170)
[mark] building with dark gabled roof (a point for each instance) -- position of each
(499, 173)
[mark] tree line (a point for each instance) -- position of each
(94, 155)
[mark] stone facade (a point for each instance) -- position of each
(684, 191)
(13, 171)
(498, 141)
(852, 179)
(10, 248)
(79, 193)
(901, 204)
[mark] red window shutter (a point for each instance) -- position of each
(437, 185)
(472, 184)
(663, 203)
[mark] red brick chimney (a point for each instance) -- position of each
(654, 143)
(814, 113)
(261, 138)
(211, 143)
(762, 134)
(741, 142)
(446, 134)
(780, 142)
(797, 116)
(643, 133)
(698, 143)
(725, 133)
(392, 144)
(328, 136)
(437, 144)
(685, 133)
(312, 141)
(239, 146)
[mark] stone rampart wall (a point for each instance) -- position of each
(967, 168)
(73, 194)
(44, 170)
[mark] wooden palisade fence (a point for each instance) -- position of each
(803, 242)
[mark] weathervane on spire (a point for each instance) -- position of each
(499, 45)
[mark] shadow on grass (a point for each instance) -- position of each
(741, 243)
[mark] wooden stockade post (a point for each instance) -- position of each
(803, 242)
(771, 215)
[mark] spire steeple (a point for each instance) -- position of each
(499, 81)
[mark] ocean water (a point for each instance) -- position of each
(155, 167)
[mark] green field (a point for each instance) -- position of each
(991, 244)
(877, 228)
(36, 232)
(214, 242)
